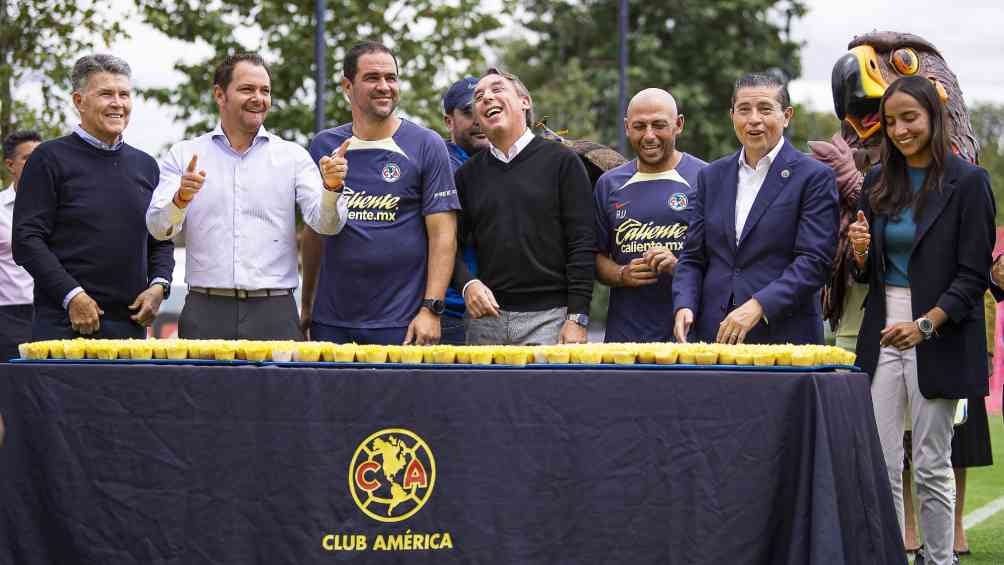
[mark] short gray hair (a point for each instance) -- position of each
(521, 89)
(91, 64)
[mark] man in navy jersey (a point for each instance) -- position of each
(79, 226)
(466, 139)
(383, 278)
(643, 208)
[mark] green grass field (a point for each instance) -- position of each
(986, 484)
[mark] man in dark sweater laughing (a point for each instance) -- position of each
(79, 218)
(528, 210)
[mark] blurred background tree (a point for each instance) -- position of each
(435, 43)
(694, 48)
(39, 42)
(988, 123)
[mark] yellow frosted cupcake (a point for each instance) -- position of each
(782, 355)
(140, 349)
(558, 355)
(443, 354)
(706, 357)
(591, 356)
(345, 353)
(393, 353)
(225, 351)
(74, 349)
(159, 347)
(802, 358)
(764, 358)
(726, 355)
(623, 356)
(256, 351)
(307, 352)
(412, 354)
(282, 351)
(481, 355)
(688, 355)
(37, 350)
(374, 354)
(106, 350)
(463, 355)
(56, 349)
(666, 355)
(176, 349)
(646, 353)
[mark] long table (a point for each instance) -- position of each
(188, 465)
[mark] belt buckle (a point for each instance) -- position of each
(241, 293)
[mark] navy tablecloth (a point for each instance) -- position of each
(192, 465)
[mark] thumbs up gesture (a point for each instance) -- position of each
(859, 235)
(335, 167)
(191, 184)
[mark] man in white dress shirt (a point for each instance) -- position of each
(231, 196)
(15, 283)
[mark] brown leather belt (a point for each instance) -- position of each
(240, 293)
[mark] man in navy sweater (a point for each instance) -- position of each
(528, 211)
(79, 220)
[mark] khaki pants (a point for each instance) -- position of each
(895, 397)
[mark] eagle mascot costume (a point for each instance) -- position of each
(860, 77)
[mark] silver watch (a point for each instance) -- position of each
(581, 319)
(926, 327)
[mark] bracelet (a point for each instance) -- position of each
(620, 275)
(860, 253)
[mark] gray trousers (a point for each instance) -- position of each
(225, 317)
(896, 396)
(516, 328)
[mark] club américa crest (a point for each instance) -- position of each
(678, 201)
(391, 172)
(392, 475)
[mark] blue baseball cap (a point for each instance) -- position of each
(460, 95)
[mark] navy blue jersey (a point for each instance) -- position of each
(634, 213)
(373, 273)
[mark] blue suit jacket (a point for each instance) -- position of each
(783, 257)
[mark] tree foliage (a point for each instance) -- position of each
(39, 41)
(694, 48)
(434, 41)
(988, 124)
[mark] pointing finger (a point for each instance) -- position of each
(193, 163)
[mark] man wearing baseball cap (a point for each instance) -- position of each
(466, 139)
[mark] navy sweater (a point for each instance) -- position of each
(531, 224)
(79, 220)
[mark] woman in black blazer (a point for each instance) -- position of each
(923, 241)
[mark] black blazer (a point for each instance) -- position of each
(949, 267)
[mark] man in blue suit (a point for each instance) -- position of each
(763, 233)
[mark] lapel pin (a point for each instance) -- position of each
(785, 174)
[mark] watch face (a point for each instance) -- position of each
(925, 325)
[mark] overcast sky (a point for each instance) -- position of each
(968, 34)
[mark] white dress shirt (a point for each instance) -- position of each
(15, 283)
(240, 229)
(518, 146)
(750, 181)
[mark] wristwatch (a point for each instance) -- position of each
(434, 305)
(926, 327)
(165, 286)
(581, 319)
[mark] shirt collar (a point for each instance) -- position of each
(262, 135)
(95, 142)
(770, 156)
(7, 196)
(516, 148)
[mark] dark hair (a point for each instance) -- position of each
(350, 64)
(893, 193)
(16, 138)
(521, 89)
(763, 80)
(224, 73)
(88, 65)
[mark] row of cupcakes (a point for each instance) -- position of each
(592, 353)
